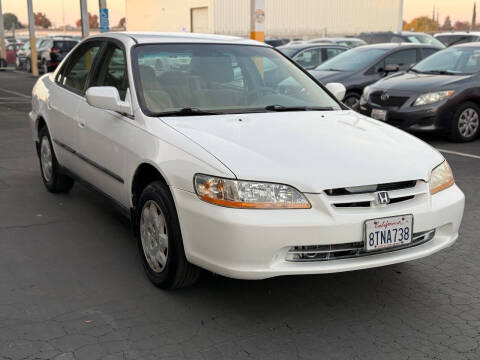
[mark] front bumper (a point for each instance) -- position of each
(253, 244)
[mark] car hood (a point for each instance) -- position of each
(311, 151)
(419, 83)
(331, 76)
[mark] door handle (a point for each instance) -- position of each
(81, 125)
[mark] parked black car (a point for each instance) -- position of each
(441, 93)
(51, 52)
(309, 56)
(364, 65)
(404, 36)
(459, 37)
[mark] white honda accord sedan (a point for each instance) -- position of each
(229, 157)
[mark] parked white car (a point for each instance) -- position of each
(229, 157)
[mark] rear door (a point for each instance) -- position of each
(65, 97)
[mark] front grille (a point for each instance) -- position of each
(390, 101)
(366, 189)
(347, 250)
(365, 197)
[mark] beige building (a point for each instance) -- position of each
(283, 18)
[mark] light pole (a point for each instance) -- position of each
(400, 16)
(31, 31)
(85, 19)
(3, 52)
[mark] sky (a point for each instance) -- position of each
(57, 10)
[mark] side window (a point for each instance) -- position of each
(79, 65)
(309, 59)
(332, 52)
(427, 52)
(113, 71)
(403, 58)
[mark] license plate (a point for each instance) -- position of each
(388, 232)
(379, 114)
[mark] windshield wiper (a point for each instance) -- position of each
(280, 108)
(440, 72)
(331, 69)
(187, 111)
(415, 71)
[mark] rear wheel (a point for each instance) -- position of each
(160, 240)
(54, 180)
(466, 123)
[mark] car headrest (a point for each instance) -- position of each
(213, 68)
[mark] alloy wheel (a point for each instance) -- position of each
(154, 236)
(468, 123)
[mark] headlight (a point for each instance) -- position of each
(248, 194)
(433, 97)
(366, 93)
(441, 178)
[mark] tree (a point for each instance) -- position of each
(447, 24)
(462, 25)
(422, 23)
(42, 20)
(92, 21)
(10, 20)
(122, 23)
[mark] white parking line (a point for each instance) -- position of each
(15, 93)
(460, 154)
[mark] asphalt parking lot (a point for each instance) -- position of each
(72, 285)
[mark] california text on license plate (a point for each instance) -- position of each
(388, 232)
(379, 114)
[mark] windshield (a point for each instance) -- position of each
(425, 39)
(353, 60)
(222, 79)
(455, 61)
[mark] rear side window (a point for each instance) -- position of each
(427, 52)
(332, 52)
(78, 67)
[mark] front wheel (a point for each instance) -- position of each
(160, 240)
(352, 100)
(466, 123)
(54, 180)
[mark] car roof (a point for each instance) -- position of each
(467, 45)
(476, 33)
(171, 37)
(312, 45)
(395, 45)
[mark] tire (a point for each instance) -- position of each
(466, 123)
(54, 180)
(166, 266)
(352, 100)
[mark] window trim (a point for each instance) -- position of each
(95, 69)
(65, 66)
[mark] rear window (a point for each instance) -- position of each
(64, 45)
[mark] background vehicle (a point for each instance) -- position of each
(458, 37)
(441, 93)
(51, 52)
(364, 65)
(11, 49)
(309, 56)
(349, 42)
(404, 36)
(276, 42)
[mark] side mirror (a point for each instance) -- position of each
(338, 90)
(108, 98)
(391, 68)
